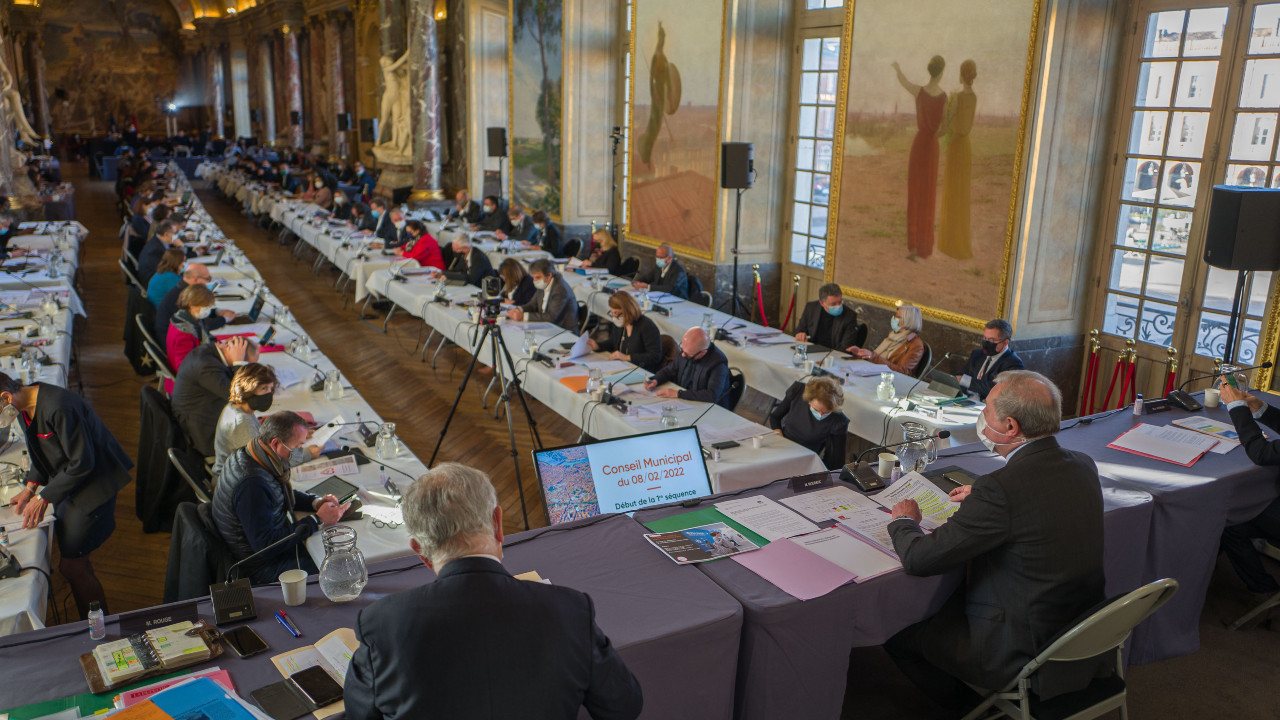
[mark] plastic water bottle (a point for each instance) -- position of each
(97, 624)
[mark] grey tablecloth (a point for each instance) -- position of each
(795, 655)
(676, 630)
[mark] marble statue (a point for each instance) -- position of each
(394, 135)
(11, 107)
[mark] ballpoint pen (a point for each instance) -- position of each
(297, 632)
(286, 625)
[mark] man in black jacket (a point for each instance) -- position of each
(384, 226)
(700, 369)
(193, 274)
(518, 226)
(491, 218)
(476, 642)
(546, 236)
(466, 210)
(469, 261)
(554, 301)
(77, 466)
(253, 504)
(667, 274)
(987, 362)
(1030, 536)
(827, 322)
(203, 385)
(1237, 540)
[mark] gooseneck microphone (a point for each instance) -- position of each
(1182, 399)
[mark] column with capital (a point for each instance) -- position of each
(39, 98)
(267, 63)
(337, 89)
(293, 76)
(216, 91)
(424, 102)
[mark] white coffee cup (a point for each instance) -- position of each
(808, 366)
(293, 583)
(1211, 397)
(757, 441)
(885, 467)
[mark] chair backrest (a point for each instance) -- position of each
(132, 278)
(629, 267)
(146, 333)
(925, 360)
(737, 385)
(572, 247)
(696, 294)
(860, 335)
(584, 315)
(1104, 629)
(162, 366)
(669, 349)
(198, 479)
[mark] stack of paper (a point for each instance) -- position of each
(1228, 438)
(935, 505)
(765, 517)
(1171, 444)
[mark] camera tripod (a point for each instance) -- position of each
(506, 374)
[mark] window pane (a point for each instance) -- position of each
(813, 4)
(1158, 320)
(831, 49)
(1247, 350)
(1155, 84)
(809, 87)
(799, 249)
(1260, 87)
(1147, 135)
(817, 254)
(804, 154)
(800, 218)
(1179, 187)
(1265, 37)
(1141, 178)
(827, 88)
(1247, 175)
(1258, 288)
(826, 122)
(1219, 288)
(1211, 335)
(1195, 84)
(1173, 230)
(808, 117)
(1164, 34)
(822, 156)
(1121, 317)
(821, 189)
(1135, 226)
(818, 221)
(1164, 278)
(1187, 131)
(1126, 271)
(812, 46)
(1253, 137)
(1204, 32)
(804, 184)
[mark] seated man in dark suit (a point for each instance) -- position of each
(362, 218)
(994, 357)
(490, 219)
(466, 210)
(546, 236)
(827, 322)
(289, 181)
(469, 261)
(384, 227)
(253, 505)
(700, 369)
(203, 386)
(364, 180)
(166, 237)
(397, 222)
(518, 226)
(1030, 536)
(193, 274)
(554, 301)
(1237, 540)
(421, 650)
(667, 274)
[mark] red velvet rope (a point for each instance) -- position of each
(1114, 374)
(764, 319)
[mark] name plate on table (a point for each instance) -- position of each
(140, 621)
(811, 482)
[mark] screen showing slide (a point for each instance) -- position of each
(623, 475)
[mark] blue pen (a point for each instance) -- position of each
(286, 625)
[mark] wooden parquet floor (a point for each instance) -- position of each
(384, 368)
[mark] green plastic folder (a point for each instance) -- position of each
(706, 516)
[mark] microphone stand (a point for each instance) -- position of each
(1186, 401)
(884, 434)
(861, 474)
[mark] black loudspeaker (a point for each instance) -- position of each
(369, 130)
(737, 165)
(1244, 229)
(295, 117)
(497, 141)
(255, 115)
(344, 122)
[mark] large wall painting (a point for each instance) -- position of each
(111, 58)
(675, 123)
(930, 155)
(537, 71)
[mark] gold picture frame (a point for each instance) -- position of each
(837, 172)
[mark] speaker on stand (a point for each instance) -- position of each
(1243, 234)
(497, 146)
(737, 172)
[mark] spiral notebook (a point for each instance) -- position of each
(120, 662)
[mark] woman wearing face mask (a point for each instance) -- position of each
(421, 246)
(810, 415)
(252, 391)
(630, 336)
(902, 349)
(186, 328)
(76, 466)
(321, 195)
(517, 286)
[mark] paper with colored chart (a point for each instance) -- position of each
(934, 504)
(830, 503)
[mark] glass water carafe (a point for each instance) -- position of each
(343, 573)
(387, 445)
(919, 450)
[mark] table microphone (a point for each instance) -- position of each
(318, 384)
(545, 358)
(870, 481)
(610, 399)
(722, 334)
(233, 600)
(912, 389)
(1186, 401)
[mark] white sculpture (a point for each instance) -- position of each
(394, 137)
(12, 108)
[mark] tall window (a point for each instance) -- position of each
(814, 144)
(820, 4)
(624, 143)
(1162, 170)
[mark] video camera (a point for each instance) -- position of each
(490, 299)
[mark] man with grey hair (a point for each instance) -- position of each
(667, 274)
(1030, 534)
(701, 371)
(476, 642)
(470, 263)
(554, 302)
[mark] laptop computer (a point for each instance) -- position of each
(945, 384)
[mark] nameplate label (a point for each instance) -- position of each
(810, 482)
(139, 621)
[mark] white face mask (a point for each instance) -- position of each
(982, 434)
(202, 313)
(8, 415)
(616, 320)
(540, 284)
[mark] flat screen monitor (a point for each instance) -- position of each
(622, 475)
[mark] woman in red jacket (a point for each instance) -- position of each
(421, 246)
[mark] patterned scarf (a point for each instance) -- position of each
(260, 451)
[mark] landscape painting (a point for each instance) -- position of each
(674, 138)
(536, 81)
(931, 151)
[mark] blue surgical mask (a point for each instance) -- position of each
(894, 324)
(835, 311)
(817, 415)
(660, 262)
(374, 213)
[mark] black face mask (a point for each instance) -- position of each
(989, 347)
(260, 403)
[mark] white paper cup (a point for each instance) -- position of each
(293, 583)
(757, 441)
(885, 468)
(1211, 397)
(808, 366)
